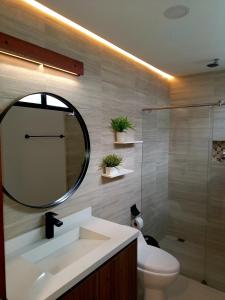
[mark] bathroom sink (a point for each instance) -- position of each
(54, 255)
(44, 269)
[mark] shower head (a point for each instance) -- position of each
(214, 63)
(221, 103)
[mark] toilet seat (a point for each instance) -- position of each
(156, 260)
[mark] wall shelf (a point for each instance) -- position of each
(121, 172)
(127, 143)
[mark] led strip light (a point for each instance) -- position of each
(44, 9)
(38, 63)
(21, 49)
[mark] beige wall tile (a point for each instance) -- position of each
(112, 86)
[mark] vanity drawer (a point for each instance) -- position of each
(114, 280)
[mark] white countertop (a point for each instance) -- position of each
(27, 280)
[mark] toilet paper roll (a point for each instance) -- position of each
(138, 223)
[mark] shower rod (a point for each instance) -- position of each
(219, 103)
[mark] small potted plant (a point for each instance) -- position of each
(121, 125)
(110, 163)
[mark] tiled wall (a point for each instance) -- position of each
(185, 198)
(215, 242)
(190, 137)
(111, 86)
(155, 172)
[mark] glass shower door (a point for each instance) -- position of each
(155, 162)
(183, 188)
(175, 183)
(190, 140)
(215, 239)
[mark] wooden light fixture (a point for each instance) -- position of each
(15, 47)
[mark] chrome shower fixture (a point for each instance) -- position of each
(214, 63)
(221, 102)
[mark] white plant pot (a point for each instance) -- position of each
(111, 171)
(121, 137)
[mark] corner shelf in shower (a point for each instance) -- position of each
(218, 149)
(127, 143)
(121, 172)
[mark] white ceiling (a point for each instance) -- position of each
(181, 46)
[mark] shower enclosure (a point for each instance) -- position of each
(183, 187)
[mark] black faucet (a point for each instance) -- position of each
(50, 222)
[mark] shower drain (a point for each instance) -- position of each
(181, 240)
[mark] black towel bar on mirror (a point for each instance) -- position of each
(27, 136)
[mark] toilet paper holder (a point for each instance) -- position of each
(134, 211)
(136, 218)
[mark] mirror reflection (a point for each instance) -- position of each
(45, 150)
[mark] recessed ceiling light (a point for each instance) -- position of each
(176, 12)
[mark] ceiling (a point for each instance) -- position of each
(179, 46)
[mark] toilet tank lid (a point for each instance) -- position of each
(157, 260)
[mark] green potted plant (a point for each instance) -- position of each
(121, 125)
(110, 163)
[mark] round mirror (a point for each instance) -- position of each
(45, 150)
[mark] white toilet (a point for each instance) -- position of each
(157, 269)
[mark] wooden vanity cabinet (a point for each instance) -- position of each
(87, 289)
(114, 280)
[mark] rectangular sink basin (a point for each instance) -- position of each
(56, 254)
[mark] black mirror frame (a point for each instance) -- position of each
(72, 190)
